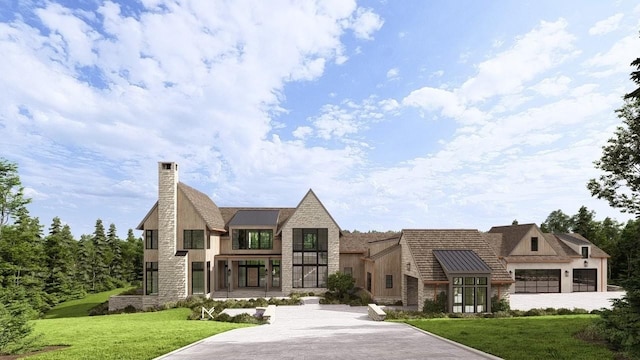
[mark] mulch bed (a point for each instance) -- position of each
(44, 349)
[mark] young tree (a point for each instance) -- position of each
(60, 264)
(100, 270)
(583, 223)
(620, 161)
(114, 260)
(557, 223)
(12, 199)
(132, 258)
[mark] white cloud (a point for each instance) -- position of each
(393, 73)
(302, 132)
(552, 86)
(365, 23)
(545, 47)
(616, 59)
(607, 25)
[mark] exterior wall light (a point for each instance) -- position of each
(566, 273)
(586, 263)
(408, 266)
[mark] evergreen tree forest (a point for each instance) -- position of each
(42, 265)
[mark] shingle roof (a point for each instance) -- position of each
(359, 242)
(578, 239)
(511, 236)
(422, 243)
(203, 204)
(461, 261)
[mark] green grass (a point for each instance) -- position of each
(124, 336)
(543, 337)
(81, 307)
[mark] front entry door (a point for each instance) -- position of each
(253, 276)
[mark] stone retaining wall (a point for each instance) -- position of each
(119, 302)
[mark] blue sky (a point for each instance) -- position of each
(412, 114)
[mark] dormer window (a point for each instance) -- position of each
(585, 252)
(534, 243)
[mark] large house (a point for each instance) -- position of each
(195, 248)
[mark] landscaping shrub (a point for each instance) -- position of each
(439, 305)
(620, 326)
(100, 309)
(341, 284)
(499, 304)
(14, 321)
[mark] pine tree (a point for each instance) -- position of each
(115, 254)
(132, 258)
(60, 264)
(101, 279)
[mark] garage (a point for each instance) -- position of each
(585, 280)
(537, 281)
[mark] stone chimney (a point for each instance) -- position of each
(172, 269)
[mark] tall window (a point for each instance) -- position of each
(151, 239)
(208, 277)
(534, 244)
(470, 294)
(310, 258)
(389, 281)
(151, 277)
(193, 239)
(585, 252)
(245, 239)
(369, 281)
(197, 278)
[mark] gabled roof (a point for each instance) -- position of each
(204, 206)
(575, 239)
(311, 193)
(461, 261)
(359, 242)
(511, 236)
(578, 239)
(422, 244)
(386, 252)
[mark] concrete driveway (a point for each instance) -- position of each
(314, 331)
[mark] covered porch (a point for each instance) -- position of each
(247, 276)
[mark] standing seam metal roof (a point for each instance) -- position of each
(461, 261)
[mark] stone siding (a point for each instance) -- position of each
(310, 213)
(119, 302)
(172, 270)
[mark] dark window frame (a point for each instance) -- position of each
(471, 287)
(151, 239)
(200, 285)
(388, 280)
(584, 250)
(534, 243)
(310, 255)
(188, 239)
(151, 278)
(241, 239)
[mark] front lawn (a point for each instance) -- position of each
(541, 337)
(124, 336)
(81, 307)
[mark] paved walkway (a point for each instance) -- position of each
(313, 331)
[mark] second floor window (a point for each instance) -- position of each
(245, 239)
(151, 239)
(193, 239)
(534, 244)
